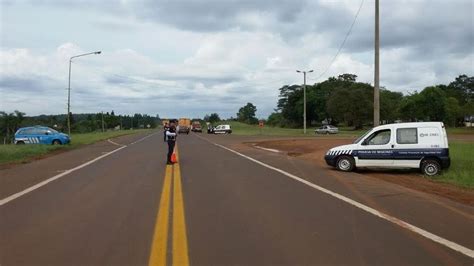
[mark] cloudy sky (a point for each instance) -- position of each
(187, 58)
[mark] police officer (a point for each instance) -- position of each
(166, 127)
(171, 139)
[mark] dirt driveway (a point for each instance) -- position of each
(314, 150)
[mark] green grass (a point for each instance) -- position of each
(239, 128)
(461, 172)
(24, 153)
(460, 130)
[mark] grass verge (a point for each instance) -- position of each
(25, 153)
(461, 172)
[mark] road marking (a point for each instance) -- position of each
(266, 149)
(158, 253)
(447, 243)
(66, 172)
(144, 138)
(160, 236)
(180, 241)
(114, 143)
(28, 190)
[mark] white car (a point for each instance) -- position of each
(222, 129)
(328, 129)
(405, 145)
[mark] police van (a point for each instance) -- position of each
(422, 145)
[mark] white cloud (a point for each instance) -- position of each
(157, 61)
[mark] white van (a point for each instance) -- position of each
(422, 145)
(223, 129)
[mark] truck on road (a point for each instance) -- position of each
(184, 125)
(196, 126)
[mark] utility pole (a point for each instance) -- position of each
(131, 123)
(304, 98)
(377, 67)
(103, 121)
(121, 125)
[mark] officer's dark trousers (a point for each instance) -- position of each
(171, 144)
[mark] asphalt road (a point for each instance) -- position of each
(216, 207)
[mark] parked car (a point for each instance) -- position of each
(40, 135)
(222, 129)
(328, 129)
(405, 145)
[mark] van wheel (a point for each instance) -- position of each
(20, 143)
(345, 163)
(430, 167)
(56, 142)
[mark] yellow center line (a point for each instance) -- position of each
(160, 236)
(158, 254)
(180, 241)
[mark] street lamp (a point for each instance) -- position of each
(69, 91)
(304, 97)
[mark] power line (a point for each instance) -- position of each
(343, 42)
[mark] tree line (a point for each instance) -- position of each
(80, 123)
(344, 100)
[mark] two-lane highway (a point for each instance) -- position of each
(215, 207)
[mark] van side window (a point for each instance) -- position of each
(379, 138)
(407, 136)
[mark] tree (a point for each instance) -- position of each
(390, 105)
(453, 110)
(462, 88)
(275, 119)
(212, 118)
(10, 122)
(352, 104)
(432, 103)
(409, 110)
(347, 77)
(246, 114)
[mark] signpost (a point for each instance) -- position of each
(260, 125)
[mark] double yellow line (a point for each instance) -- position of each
(159, 248)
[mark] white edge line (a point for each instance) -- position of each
(447, 243)
(51, 179)
(21, 193)
(266, 149)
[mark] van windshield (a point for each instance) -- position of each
(362, 137)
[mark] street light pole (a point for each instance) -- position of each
(69, 91)
(304, 97)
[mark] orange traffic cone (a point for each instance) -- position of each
(173, 158)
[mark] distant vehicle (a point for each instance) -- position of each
(196, 126)
(328, 129)
(165, 121)
(40, 135)
(222, 129)
(405, 145)
(184, 125)
(210, 129)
